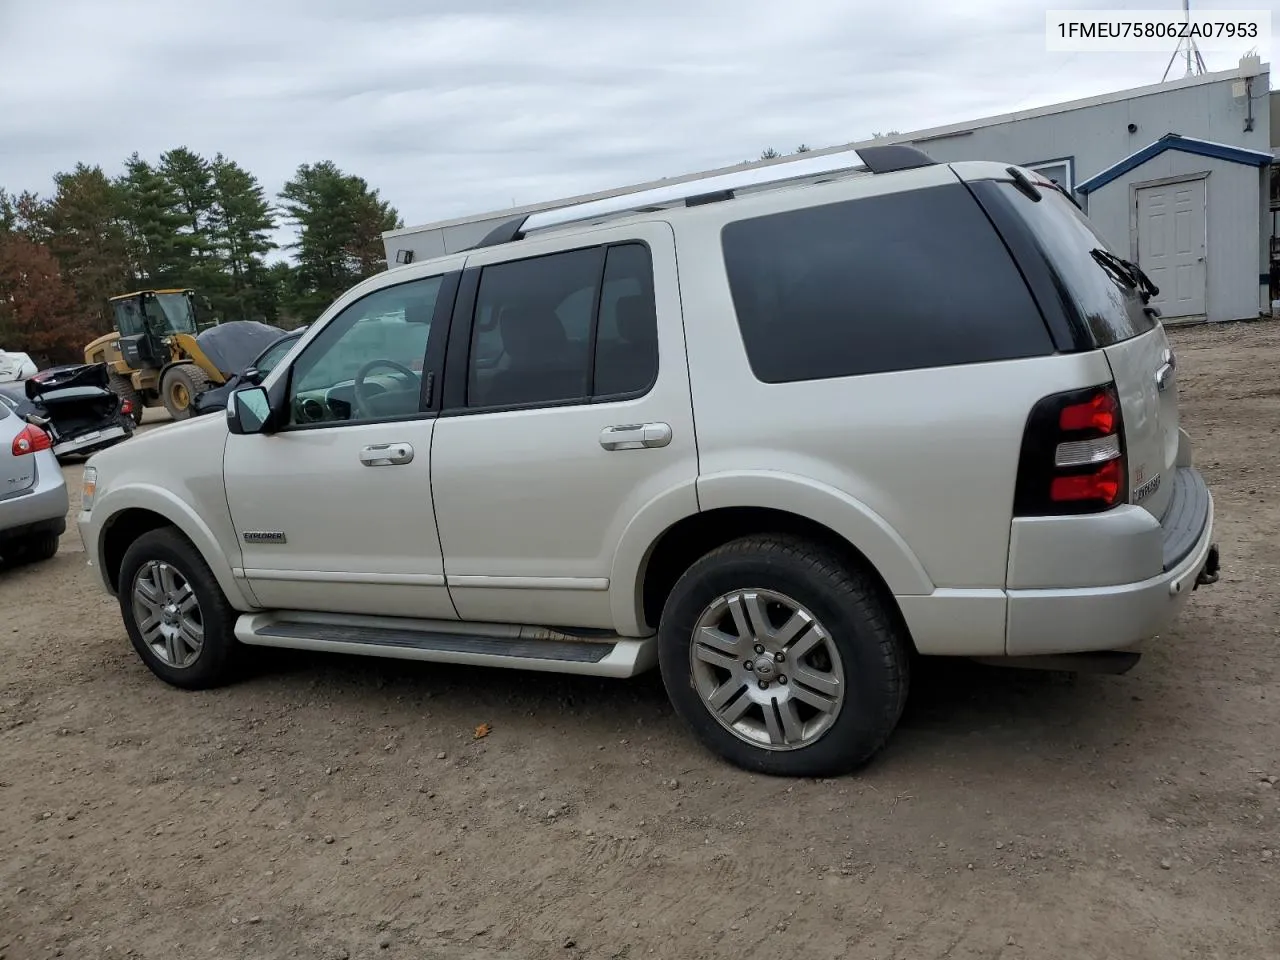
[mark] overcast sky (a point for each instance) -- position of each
(452, 107)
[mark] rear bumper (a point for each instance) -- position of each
(88, 443)
(41, 509)
(1117, 616)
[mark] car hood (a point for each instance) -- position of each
(164, 438)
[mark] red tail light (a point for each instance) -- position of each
(31, 439)
(1103, 484)
(1073, 454)
(126, 407)
(1099, 412)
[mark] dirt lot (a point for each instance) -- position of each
(331, 807)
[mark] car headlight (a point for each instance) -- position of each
(89, 487)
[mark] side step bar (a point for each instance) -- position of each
(591, 653)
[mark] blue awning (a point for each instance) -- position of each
(1174, 141)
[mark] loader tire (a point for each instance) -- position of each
(122, 387)
(179, 388)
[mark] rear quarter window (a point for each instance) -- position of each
(893, 282)
(1108, 309)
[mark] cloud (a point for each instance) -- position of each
(452, 107)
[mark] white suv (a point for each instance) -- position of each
(776, 439)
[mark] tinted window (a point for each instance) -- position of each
(627, 338)
(1108, 306)
(367, 363)
(894, 282)
(532, 342)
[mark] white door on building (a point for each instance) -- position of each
(1171, 245)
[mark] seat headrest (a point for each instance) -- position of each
(531, 333)
(635, 318)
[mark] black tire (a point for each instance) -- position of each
(122, 387)
(216, 661)
(33, 548)
(872, 645)
(188, 378)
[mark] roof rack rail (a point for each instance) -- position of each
(886, 158)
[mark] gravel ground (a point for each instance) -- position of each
(333, 807)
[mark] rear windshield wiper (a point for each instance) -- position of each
(1127, 272)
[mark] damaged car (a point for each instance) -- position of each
(74, 405)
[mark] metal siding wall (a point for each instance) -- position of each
(1098, 136)
(1232, 225)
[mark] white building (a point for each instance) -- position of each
(1176, 175)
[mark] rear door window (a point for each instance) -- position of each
(577, 326)
(898, 281)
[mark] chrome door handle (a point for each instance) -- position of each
(386, 454)
(1162, 376)
(635, 436)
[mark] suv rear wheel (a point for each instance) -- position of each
(782, 659)
(176, 615)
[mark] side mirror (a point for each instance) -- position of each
(248, 411)
(252, 375)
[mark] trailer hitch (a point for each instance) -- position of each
(1209, 572)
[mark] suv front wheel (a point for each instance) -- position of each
(782, 659)
(175, 613)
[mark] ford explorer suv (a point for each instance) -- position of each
(775, 439)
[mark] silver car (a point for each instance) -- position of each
(33, 493)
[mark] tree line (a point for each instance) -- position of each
(183, 220)
(180, 220)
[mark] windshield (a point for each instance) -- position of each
(273, 354)
(171, 313)
(1106, 295)
(166, 313)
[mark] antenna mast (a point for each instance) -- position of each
(1187, 47)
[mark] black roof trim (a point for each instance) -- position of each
(715, 196)
(504, 232)
(892, 157)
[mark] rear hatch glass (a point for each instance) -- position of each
(1105, 295)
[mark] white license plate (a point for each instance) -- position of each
(87, 439)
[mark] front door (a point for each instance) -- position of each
(1171, 245)
(334, 508)
(576, 416)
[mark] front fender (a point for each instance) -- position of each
(163, 502)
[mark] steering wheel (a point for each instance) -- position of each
(361, 399)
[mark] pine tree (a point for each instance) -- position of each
(340, 221)
(86, 231)
(154, 219)
(240, 225)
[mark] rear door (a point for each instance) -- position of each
(1144, 370)
(567, 412)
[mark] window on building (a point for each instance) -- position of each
(1060, 172)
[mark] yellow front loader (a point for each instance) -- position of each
(152, 355)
